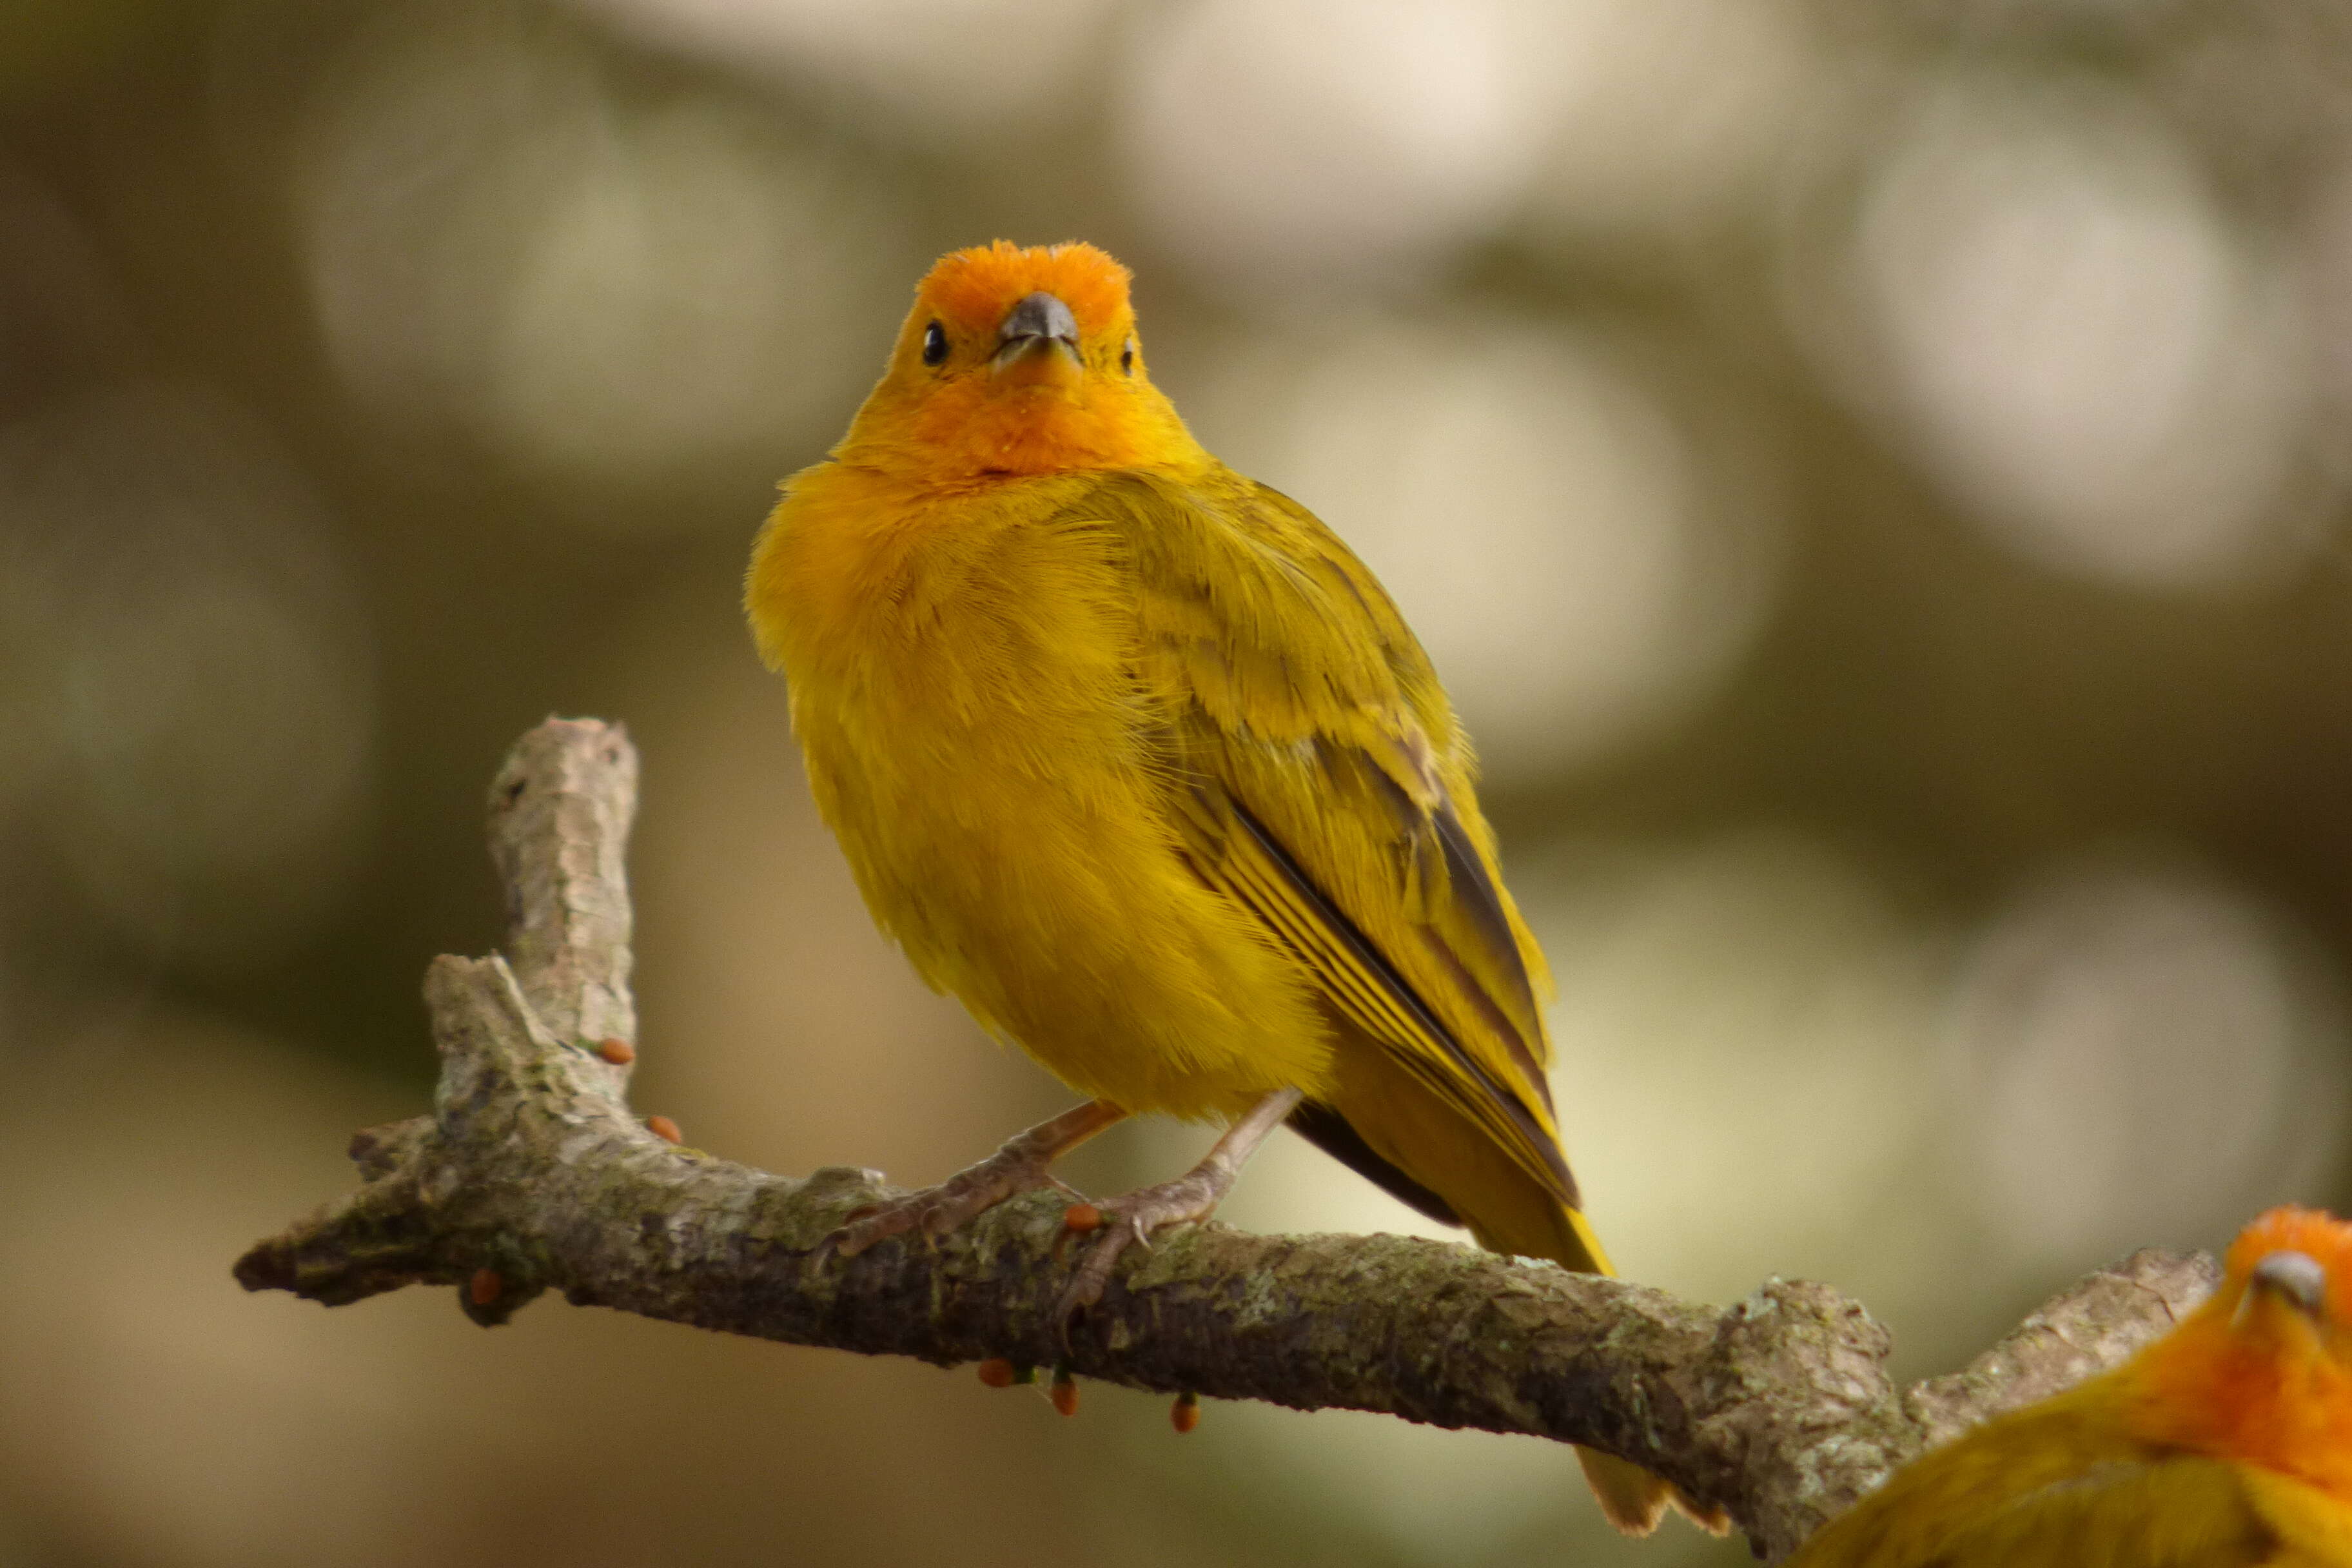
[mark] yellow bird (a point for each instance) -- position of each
(1130, 754)
(2226, 1444)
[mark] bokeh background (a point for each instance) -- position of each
(1873, 473)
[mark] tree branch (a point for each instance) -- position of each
(531, 1174)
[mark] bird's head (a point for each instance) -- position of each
(2262, 1370)
(2288, 1287)
(1017, 362)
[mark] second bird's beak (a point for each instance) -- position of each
(1039, 334)
(2295, 1277)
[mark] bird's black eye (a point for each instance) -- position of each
(935, 343)
(1126, 357)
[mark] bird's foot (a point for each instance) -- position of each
(1018, 1167)
(963, 1197)
(1193, 1197)
(1115, 1223)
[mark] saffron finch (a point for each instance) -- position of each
(2226, 1444)
(1130, 754)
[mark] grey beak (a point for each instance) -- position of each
(1040, 316)
(2296, 1276)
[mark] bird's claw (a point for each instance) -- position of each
(1125, 1221)
(933, 1212)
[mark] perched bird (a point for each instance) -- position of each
(2226, 1444)
(1130, 754)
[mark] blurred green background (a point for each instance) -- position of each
(1872, 474)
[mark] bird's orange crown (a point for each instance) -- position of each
(2262, 1371)
(2317, 1235)
(975, 287)
(1017, 363)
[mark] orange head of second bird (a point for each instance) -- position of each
(2262, 1371)
(1017, 362)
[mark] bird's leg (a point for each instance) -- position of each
(1194, 1195)
(1017, 1167)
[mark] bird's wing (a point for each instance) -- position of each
(2178, 1512)
(2056, 1491)
(1318, 776)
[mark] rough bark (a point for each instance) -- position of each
(532, 1173)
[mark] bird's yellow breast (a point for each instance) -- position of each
(963, 682)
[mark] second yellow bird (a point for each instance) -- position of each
(2226, 1443)
(1130, 754)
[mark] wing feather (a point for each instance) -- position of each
(2056, 1486)
(1317, 775)
(2175, 1512)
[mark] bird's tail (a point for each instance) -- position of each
(1459, 1174)
(1633, 1500)
(1630, 1497)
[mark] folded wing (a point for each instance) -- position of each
(1316, 776)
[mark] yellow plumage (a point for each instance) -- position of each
(2225, 1444)
(2063, 1490)
(1130, 754)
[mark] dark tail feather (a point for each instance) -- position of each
(1329, 1130)
(1630, 1497)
